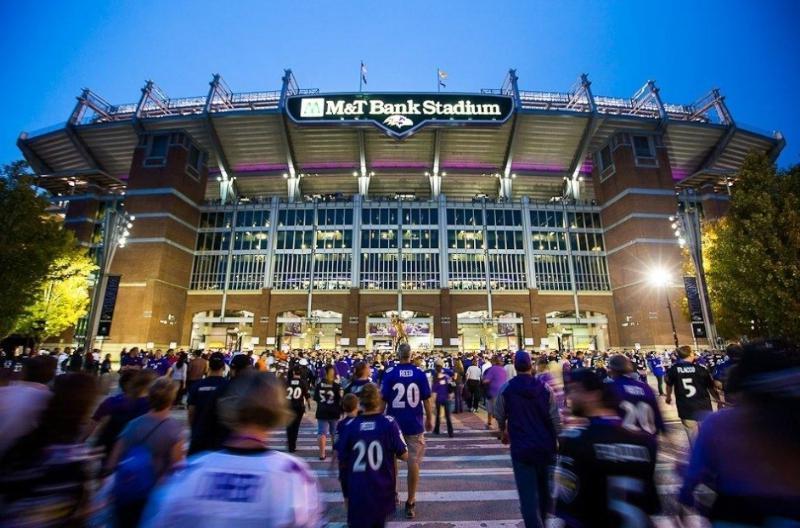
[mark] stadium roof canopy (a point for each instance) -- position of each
(250, 138)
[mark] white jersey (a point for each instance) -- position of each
(222, 489)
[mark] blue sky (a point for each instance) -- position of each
(52, 49)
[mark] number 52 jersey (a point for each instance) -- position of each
(405, 389)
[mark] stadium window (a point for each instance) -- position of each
(158, 146)
(643, 147)
(605, 162)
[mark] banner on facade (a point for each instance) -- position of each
(693, 297)
(109, 303)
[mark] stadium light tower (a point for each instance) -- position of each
(661, 278)
(116, 229)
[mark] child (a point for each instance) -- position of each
(367, 447)
(350, 408)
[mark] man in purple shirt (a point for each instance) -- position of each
(407, 393)
(159, 363)
(493, 379)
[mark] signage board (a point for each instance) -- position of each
(400, 114)
(107, 308)
(344, 341)
(699, 329)
(693, 298)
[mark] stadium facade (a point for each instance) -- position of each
(481, 220)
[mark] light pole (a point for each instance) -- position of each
(116, 229)
(660, 278)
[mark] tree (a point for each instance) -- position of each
(753, 268)
(63, 297)
(30, 239)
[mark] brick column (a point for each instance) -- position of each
(638, 196)
(166, 185)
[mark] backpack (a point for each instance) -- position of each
(136, 473)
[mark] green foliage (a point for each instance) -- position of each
(63, 297)
(30, 240)
(753, 269)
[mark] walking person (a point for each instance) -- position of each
(207, 430)
(458, 378)
(407, 393)
(145, 453)
(197, 369)
(528, 418)
(178, 373)
(46, 475)
(297, 395)
(328, 395)
(747, 453)
(493, 378)
(605, 474)
(246, 483)
(693, 388)
(656, 365)
(473, 379)
(368, 447)
(442, 387)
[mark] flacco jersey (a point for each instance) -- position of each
(691, 383)
(237, 488)
(604, 476)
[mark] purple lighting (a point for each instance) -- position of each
(259, 167)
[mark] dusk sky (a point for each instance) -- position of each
(750, 50)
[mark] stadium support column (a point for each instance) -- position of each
(637, 193)
(293, 187)
(166, 186)
(363, 174)
(505, 185)
(434, 177)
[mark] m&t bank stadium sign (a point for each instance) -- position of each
(400, 115)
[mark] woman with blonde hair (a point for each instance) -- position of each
(246, 483)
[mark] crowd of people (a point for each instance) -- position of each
(583, 446)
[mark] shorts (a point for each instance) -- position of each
(490, 405)
(416, 448)
(322, 425)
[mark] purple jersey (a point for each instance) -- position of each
(493, 378)
(404, 389)
(367, 447)
(160, 365)
(638, 406)
(441, 387)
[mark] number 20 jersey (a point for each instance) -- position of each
(404, 389)
(604, 476)
(367, 447)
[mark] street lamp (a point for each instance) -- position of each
(660, 278)
(116, 230)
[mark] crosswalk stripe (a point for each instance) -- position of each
(452, 473)
(445, 496)
(446, 458)
(473, 496)
(659, 520)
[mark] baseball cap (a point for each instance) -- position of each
(522, 360)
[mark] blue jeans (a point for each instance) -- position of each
(534, 493)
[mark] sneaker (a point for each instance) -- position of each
(411, 510)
